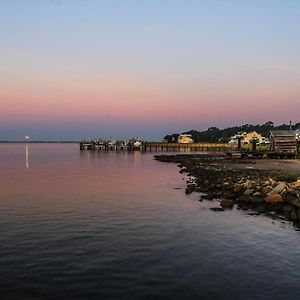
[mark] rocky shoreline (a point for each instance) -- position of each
(241, 183)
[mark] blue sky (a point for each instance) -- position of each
(79, 68)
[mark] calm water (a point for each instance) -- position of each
(82, 225)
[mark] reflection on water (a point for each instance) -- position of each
(26, 156)
(107, 225)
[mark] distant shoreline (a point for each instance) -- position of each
(39, 142)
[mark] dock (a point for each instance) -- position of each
(158, 146)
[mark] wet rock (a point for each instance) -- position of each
(244, 198)
(275, 206)
(254, 213)
(293, 215)
(244, 206)
(256, 200)
(261, 208)
(230, 196)
(287, 208)
(295, 201)
(209, 196)
(226, 203)
(274, 198)
(190, 188)
(217, 209)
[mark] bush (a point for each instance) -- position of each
(288, 177)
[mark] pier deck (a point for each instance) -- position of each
(161, 146)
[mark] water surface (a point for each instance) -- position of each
(96, 225)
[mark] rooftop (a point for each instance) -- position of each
(282, 132)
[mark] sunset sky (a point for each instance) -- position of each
(73, 69)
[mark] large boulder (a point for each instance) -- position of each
(295, 201)
(277, 189)
(274, 198)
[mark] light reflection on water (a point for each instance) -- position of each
(96, 225)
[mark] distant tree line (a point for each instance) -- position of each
(214, 134)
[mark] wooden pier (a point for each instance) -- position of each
(160, 147)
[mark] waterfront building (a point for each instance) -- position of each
(283, 143)
(235, 138)
(297, 132)
(185, 139)
(254, 136)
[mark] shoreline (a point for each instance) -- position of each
(262, 186)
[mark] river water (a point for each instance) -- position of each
(95, 225)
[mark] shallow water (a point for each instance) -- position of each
(95, 225)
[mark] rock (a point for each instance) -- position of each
(217, 209)
(267, 189)
(244, 198)
(248, 192)
(287, 208)
(293, 215)
(274, 198)
(292, 191)
(209, 196)
(254, 213)
(190, 188)
(275, 206)
(247, 184)
(277, 189)
(244, 206)
(288, 197)
(226, 203)
(258, 188)
(260, 208)
(238, 188)
(295, 201)
(257, 194)
(272, 182)
(256, 200)
(229, 196)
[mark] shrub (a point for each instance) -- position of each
(288, 177)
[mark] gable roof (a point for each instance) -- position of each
(282, 133)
